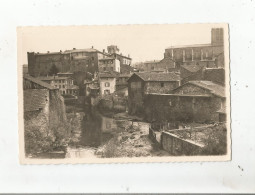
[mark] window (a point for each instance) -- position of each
(92, 58)
(104, 68)
(107, 84)
(59, 86)
(63, 86)
(162, 84)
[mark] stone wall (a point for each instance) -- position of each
(178, 146)
(41, 64)
(200, 53)
(156, 87)
(161, 108)
(57, 112)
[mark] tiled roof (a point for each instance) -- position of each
(81, 50)
(107, 75)
(48, 53)
(214, 88)
(39, 82)
(35, 99)
(146, 76)
(192, 68)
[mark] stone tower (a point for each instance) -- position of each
(217, 36)
(113, 49)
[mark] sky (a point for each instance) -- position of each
(141, 42)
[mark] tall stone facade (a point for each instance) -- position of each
(198, 54)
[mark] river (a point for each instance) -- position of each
(105, 137)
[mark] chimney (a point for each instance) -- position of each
(128, 55)
(60, 51)
(37, 52)
(74, 48)
(103, 50)
(92, 47)
(48, 51)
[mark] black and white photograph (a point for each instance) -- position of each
(124, 93)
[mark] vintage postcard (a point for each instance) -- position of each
(124, 93)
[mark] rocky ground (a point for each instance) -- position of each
(132, 141)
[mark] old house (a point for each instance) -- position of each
(91, 88)
(194, 101)
(191, 72)
(64, 84)
(109, 64)
(122, 84)
(199, 72)
(75, 60)
(113, 51)
(107, 83)
(149, 65)
(141, 84)
(43, 100)
(167, 65)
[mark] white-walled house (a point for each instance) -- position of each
(107, 82)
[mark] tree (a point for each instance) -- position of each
(53, 70)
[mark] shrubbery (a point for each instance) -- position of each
(216, 143)
(40, 137)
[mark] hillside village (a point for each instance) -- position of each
(176, 104)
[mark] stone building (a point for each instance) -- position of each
(113, 51)
(122, 84)
(107, 83)
(191, 73)
(43, 101)
(109, 64)
(200, 54)
(91, 88)
(141, 84)
(196, 73)
(149, 66)
(196, 101)
(64, 84)
(84, 60)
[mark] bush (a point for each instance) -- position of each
(39, 137)
(216, 143)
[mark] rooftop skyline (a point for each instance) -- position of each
(141, 42)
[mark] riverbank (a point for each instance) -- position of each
(132, 141)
